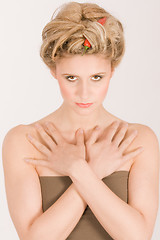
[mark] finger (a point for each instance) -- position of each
(36, 161)
(127, 141)
(55, 133)
(120, 135)
(45, 136)
(94, 136)
(80, 136)
(133, 154)
(111, 131)
(43, 149)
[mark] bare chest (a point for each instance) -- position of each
(44, 171)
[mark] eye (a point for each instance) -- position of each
(70, 78)
(99, 77)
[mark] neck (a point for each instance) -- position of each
(71, 120)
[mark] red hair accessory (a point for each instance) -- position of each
(87, 43)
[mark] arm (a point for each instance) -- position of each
(121, 220)
(69, 207)
(24, 195)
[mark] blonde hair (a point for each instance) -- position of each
(65, 34)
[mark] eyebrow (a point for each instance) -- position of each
(78, 76)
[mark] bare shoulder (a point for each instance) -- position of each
(15, 141)
(146, 136)
(14, 131)
(144, 129)
(148, 139)
(15, 147)
(17, 131)
(149, 158)
(12, 136)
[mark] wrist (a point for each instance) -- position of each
(78, 168)
(93, 169)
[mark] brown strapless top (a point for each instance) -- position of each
(88, 227)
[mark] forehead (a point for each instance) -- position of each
(84, 62)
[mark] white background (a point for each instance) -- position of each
(29, 92)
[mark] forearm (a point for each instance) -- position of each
(118, 218)
(58, 221)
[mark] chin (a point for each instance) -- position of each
(85, 111)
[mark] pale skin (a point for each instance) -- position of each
(86, 163)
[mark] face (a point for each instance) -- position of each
(83, 79)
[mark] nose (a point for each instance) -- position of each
(83, 90)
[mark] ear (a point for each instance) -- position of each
(112, 71)
(52, 71)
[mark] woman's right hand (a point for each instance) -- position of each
(59, 155)
(106, 155)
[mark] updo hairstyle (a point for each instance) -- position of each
(65, 34)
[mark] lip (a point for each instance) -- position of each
(84, 105)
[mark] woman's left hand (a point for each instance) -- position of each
(62, 155)
(105, 152)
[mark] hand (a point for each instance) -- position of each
(61, 155)
(106, 155)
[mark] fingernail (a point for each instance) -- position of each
(26, 159)
(126, 124)
(97, 128)
(29, 136)
(81, 130)
(47, 124)
(37, 125)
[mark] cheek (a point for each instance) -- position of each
(103, 91)
(65, 91)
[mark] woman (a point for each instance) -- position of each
(62, 183)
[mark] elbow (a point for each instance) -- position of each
(27, 234)
(23, 237)
(147, 236)
(143, 231)
(34, 232)
(142, 235)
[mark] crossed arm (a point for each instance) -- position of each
(123, 221)
(58, 221)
